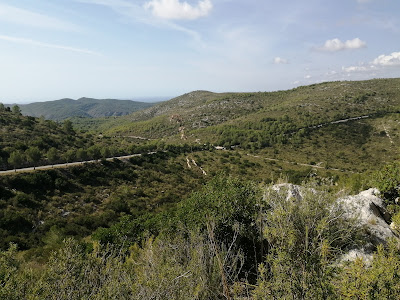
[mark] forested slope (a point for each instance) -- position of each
(62, 109)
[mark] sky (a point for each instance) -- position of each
(128, 49)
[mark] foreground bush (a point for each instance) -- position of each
(228, 241)
(306, 233)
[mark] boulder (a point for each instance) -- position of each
(367, 207)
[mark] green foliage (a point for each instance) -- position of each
(94, 152)
(387, 180)
(16, 110)
(68, 128)
(305, 237)
(81, 154)
(33, 154)
(52, 155)
(229, 202)
(105, 152)
(200, 250)
(381, 280)
(10, 283)
(70, 155)
(84, 108)
(15, 159)
(185, 266)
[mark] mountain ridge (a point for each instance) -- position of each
(65, 108)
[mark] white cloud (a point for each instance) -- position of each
(46, 45)
(174, 9)
(337, 45)
(355, 69)
(381, 62)
(279, 60)
(137, 13)
(307, 76)
(387, 60)
(15, 15)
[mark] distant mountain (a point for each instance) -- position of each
(83, 107)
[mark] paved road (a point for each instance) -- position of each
(67, 165)
(340, 121)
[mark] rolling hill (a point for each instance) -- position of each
(343, 125)
(306, 105)
(84, 107)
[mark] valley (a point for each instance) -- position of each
(192, 190)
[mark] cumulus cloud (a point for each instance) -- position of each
(387, 60)
(279, 60)
(382, 63)
(335, 45)
(176, 10)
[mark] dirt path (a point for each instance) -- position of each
(317, 166)
(388, 135)
(188, 161)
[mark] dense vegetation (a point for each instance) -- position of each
(189, 220)
(59, 110)
(232, 239)
(29, 141)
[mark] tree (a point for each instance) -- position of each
(16, 110)
(105, 152)
(52, 155)
(2, 107)
(81, 154)
(15, 159)
(67, 126)
(33, 155)
(70, 155)
(94, 152)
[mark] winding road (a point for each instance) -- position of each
(65, 165)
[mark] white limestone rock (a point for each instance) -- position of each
(369, 210)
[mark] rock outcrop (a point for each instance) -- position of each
(366, 208)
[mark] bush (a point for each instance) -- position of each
(387, 180)
(305, 234)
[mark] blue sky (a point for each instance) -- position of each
(51, 49)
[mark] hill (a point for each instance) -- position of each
(341, 125)
(29, 141)
(307, 105)
(83, 107)
(186, 219)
